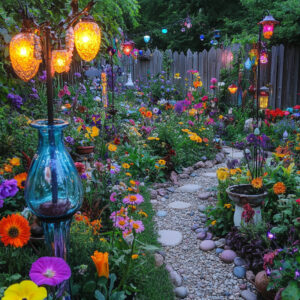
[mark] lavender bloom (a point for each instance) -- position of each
(8, 188)
(16, 100)
(69, 140)
(239, 145)
(179, 107)
(43, 77)
(77, 74)
(34, 90)
(34, 96)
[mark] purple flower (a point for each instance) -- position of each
(50, 271)
(251, 138)
(297, 274)
(16, 100)
(34, 96)
(83, 176)
(69, 140)
(191, 123)
(8, 188)
(77, 74)
(43, 77)
(232, 164)
(270, 235)
(179, 107)
(1, 203)
(34, 90)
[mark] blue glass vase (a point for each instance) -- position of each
(53, 189)
(54, 192)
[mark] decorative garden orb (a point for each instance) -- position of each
(164, 30)
(248, 64)
(146, 38)
(61, 60)
(23, 54)
(87, 39)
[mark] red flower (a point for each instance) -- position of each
(204, 98)
(268, 259)
(298, 201)
(248, 213)
(117, 141)
(80, 167)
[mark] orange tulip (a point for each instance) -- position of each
(100, 260)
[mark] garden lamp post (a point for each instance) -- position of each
(53, 189)
(266, 27)
(127, 49)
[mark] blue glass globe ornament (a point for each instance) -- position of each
(141, 52)
(164, 30)
(146, 38)
(202, 37)
(248, 64)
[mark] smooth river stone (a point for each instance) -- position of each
(201, 235)
(239, 272)
(169, 237)
(227, 256)
(179, 205)
(161, 213)
(207, 245)
(238, 261)
(181, 292)
(189, 188)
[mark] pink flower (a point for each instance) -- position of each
(191, 123)
(133, 199)
(49, 271)
(212, 87)
(99, 166)
(137, 226)
(131, 122)
(204, 98)
(198, 105)
(214, 80)
(286, 113)
(112, 197)
(298, 201)
(64, 91)
(61, 93)
(121, 223)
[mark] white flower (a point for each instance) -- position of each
(221, 83)
(97, 98)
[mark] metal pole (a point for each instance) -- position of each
(49, 77)
(258, 73)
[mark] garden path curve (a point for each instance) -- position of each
(196, 274)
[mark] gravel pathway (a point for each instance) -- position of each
(178, 208)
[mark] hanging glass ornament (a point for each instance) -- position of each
(201, 37)
(248, 64)
(164, 30)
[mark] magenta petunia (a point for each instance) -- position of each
(49, 271)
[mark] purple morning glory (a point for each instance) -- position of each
(49, 271)
(8, 188)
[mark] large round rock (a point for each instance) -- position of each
(228, 256)
(207, 245)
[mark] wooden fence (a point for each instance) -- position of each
(282, 71)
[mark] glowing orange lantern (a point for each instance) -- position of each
(263, 98)
(268, 26)
(87, 38)
(127, 47)
(232, 88)
(61, 60)
(24, 54)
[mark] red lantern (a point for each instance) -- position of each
(127, 47)
(232, 89)
(268, 26)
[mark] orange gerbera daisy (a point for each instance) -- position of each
(257, 183)
(149, 114)
(14, 231)
(279, 188)
(21, 178)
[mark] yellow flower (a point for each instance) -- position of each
(222, 174)
(79, 128)
(227, 205)
(112, 147)
(103, 240)
(156, 166)
(132, 182)
(15, 161)
(221, 117)
(142, 213)
(134, 256)
(100, 260)
(128, 174)
(180, 123)
(192, 112)
(162, 162)
(95, 131)
(130, 189)
(213, 223)
(25, 290)
(177, 76)
(185, 130)
(126, 166)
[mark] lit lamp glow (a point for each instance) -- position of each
(23, 54)
(268, 26)
(87, 38)
(127, 47)
(232, 89)
(61, 61)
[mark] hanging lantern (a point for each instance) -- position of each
(201, 37)
(146, 38)
(263, 97)
(25, 54)
(127, 47)
(268, 24)
(248, 64)
(164, 30)
(264, 58)
(87, 38)
(61, 61)
(232, 89)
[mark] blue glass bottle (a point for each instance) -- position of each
(53, 188)
(53, 191)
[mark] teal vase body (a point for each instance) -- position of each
(53, 189)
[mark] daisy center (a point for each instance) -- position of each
(136, 226)
(49, 273)
(122, 222)
(13, 232)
